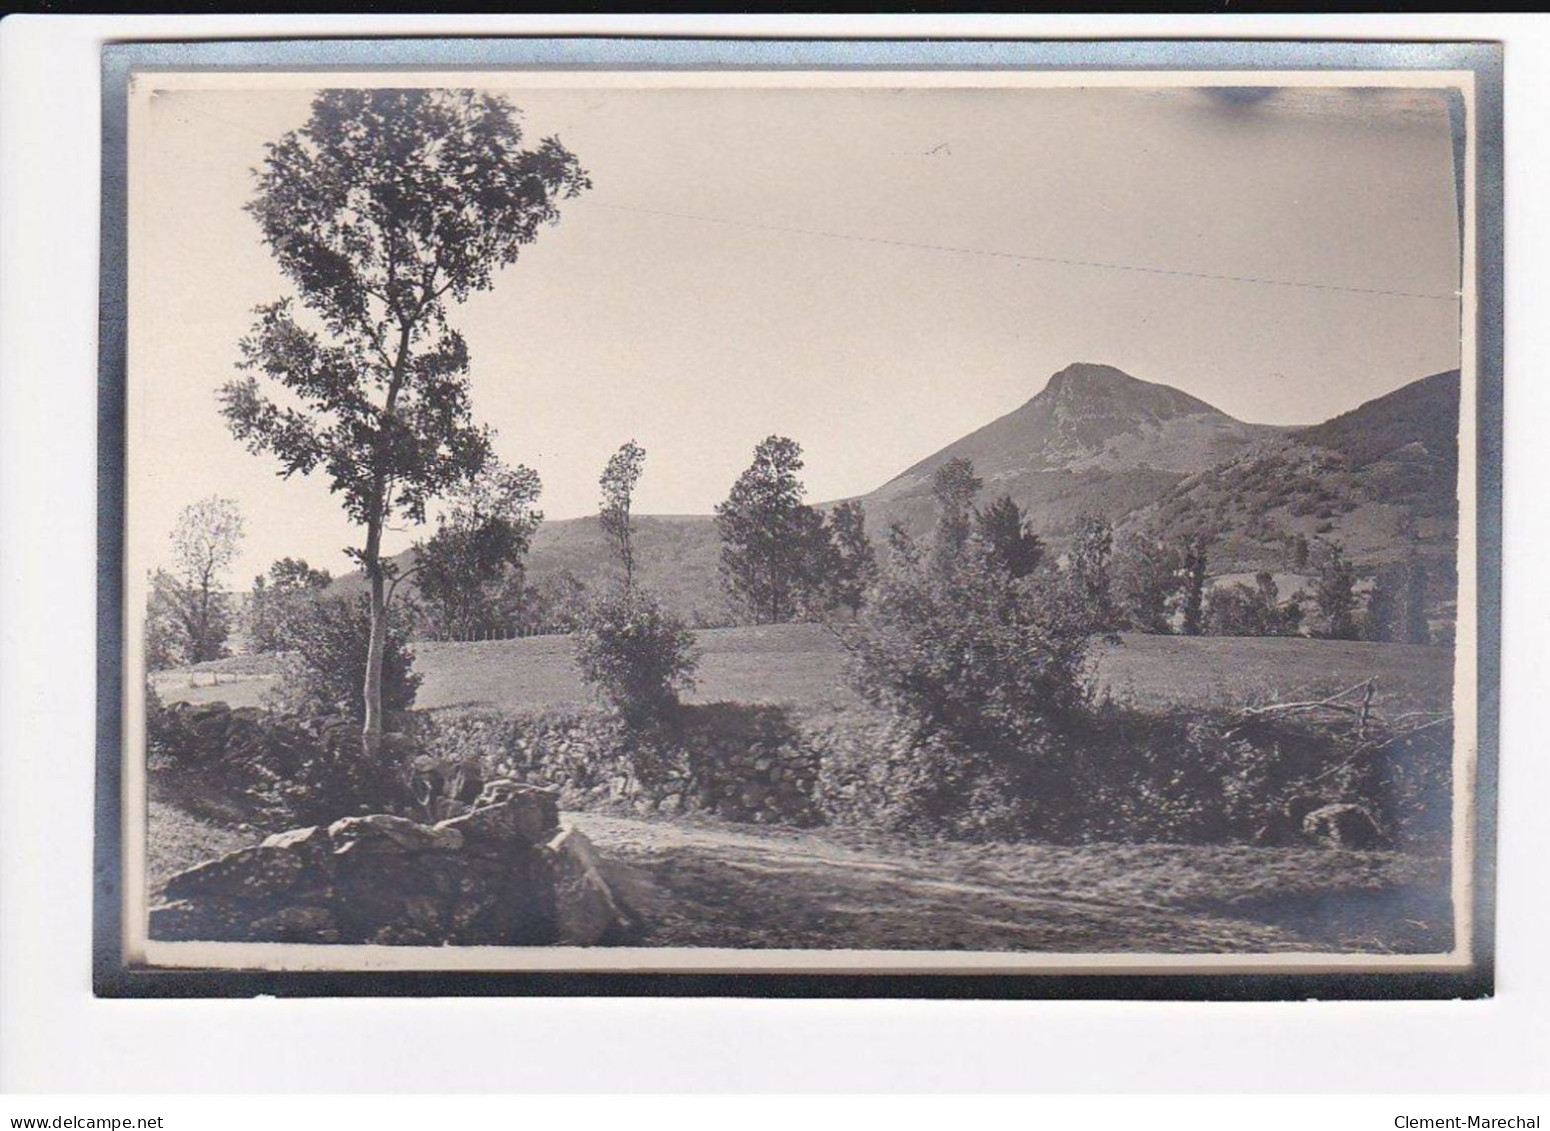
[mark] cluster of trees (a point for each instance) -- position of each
(469, 575)
(1253, 610)
(1392, 610)
(783, 559)
(974, 645)
(278, 601)
(192, 617)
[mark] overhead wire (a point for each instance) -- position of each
(1016, 256)
(1025, 256)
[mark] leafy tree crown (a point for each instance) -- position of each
(380, 210)
(774, 546)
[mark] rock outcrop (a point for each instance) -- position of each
(503, 874)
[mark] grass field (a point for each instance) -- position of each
(803, 665)
(1208, 671)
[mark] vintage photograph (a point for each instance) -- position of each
(848, 521)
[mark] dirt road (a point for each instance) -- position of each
(699, 882)
(704, 884)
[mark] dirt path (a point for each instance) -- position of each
(698, 882)
(702, 884)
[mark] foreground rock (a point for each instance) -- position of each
(1343, 826)
(502, 874)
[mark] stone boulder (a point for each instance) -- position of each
(506, 812)
(1343, 826)
(247, 874)
(382, 832)
(586, 911)
(503, 874)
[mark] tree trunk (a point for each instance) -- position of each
(202, 649)
(627, 551)
(371, 727)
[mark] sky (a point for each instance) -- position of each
(873, 272)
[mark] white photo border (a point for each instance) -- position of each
(186, 969)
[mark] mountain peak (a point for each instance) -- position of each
(1087, 388)
(1090, 375)
(1091, 417)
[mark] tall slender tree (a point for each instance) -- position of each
(386, 208)
(1418, 629)
(1334, 591)
(954, 485)
(1147, 576)
(1089, 571)
(854, 562)
(1380, 619)
(1192, 582)
(618, 486)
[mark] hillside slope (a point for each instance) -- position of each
(1380, 479)
(678, 558)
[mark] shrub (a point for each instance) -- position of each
(889, 775)
(1217, 778)
(981, 674)
(1137, 777)
(971, 652)
(326, 673)
(636, 654)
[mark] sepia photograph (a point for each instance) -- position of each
(1001, 522)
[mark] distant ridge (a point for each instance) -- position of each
(1379, 478)
(1423, 412)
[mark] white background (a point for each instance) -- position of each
(54, 1037)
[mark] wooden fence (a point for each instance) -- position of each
(495, 634)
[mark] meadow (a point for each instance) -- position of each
(803, 665)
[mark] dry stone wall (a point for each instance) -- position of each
(735, 762)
